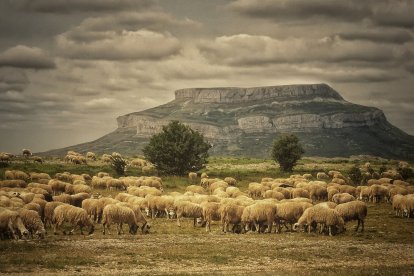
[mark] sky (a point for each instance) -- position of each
(68, 68)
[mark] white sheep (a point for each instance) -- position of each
(289, 212)
(259, 215)
(326, 217)
(10, 221)
(114, 213)
(32, 222)
(189, 210)
(353, 210)
(342, 198)
(74, 215)
(231, 214)
(211, 212)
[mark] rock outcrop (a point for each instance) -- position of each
(244, 121)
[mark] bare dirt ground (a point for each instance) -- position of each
(386, 247)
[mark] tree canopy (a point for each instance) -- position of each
(287, 151)
(177, 149)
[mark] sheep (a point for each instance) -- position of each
(99, 182)
(318, 192)
(192, 177)
(76, 199)
(259, 214)
(14, 183)
(10, 221)
(102, 174)
(33, 223)
(211, 212)
(139, 217)
(42, 186)
(153, 182)
(115, 184)
(332, 173)
(90, 205)
(273, 194)
(321, 175)
(204, 175)
(216, 185)
(37, 159)
(74, 215)
(27, 197)
(256, 190)
(353, 210)
(65, 198)
(396, 191)
(231, 181)
(57, 186)
(338, 181)
(34, 207)
(144, 191)
(103, 201)
(195, 189)
(407, 205)
(307, 176)
(286, 192)
(114, 213)
(289, 212)
(188, 209)
(331, 192)
(161, 204)
(90, 155)
(365, 193)
(378, 192)
(77, 188)
(231, 214)
(48, 211)
(34, 176)
(342, 198)
(326, 217)
(65, 177)
(299, 192)
(347, 189)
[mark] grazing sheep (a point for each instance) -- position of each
(76, 199)
(338, 181)
(34, 176)
(189, 210)
(204, 175)
(74, 215)
(10, 221)
(139, 217)
(318, 192)
(326, 217)
(37, 159)
(195, 189)
(114, 213)
(34, 207)
(211, 212)
(354, 210)
(378, 192)
(42, 186)
(77, 188)
(90, 205)
(33, 223)
(331, 192)
(256, 190)
(161, 204)
(347, 189)
(365, 193)
(407, 205)
(13, 183)
(342, 198)
(289, 212)
(115, 184)
(259, 215)
(231, 214)
(48, 212)
(216, 185)
(91, 156)
(26, 152)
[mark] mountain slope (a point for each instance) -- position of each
(244, 121)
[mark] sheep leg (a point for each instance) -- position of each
(194, 225)
(208, 225)
(117, 227)
(330, 230)
(178, 221)
(10, 225)
(166, 213)
(152, 213)
(356, 229)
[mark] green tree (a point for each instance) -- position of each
(177, 150)
(287, 151)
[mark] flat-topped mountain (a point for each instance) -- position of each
(244, 121)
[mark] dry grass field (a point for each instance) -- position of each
(385, 248)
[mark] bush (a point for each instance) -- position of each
(177, 150)
(355, 175)
(287, 151)
(118, 164)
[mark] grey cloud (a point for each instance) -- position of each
(125, 45)
(247, 50)
(13, 80)
(379, 35)
(410, 68)
(73, 6)
(394, 13)
(280, 10)
(22, 56)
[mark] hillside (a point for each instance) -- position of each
(244, 122)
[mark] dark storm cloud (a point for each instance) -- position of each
(397, 36)
(22, 56)
(73, 6)
(380, 12)
(13, 80)
(282, 10)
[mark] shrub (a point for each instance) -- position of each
(287, 151)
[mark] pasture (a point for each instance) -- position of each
(385, 247)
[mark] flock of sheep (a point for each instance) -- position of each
(32, 202)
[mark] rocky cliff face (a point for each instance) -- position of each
(244, 121)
